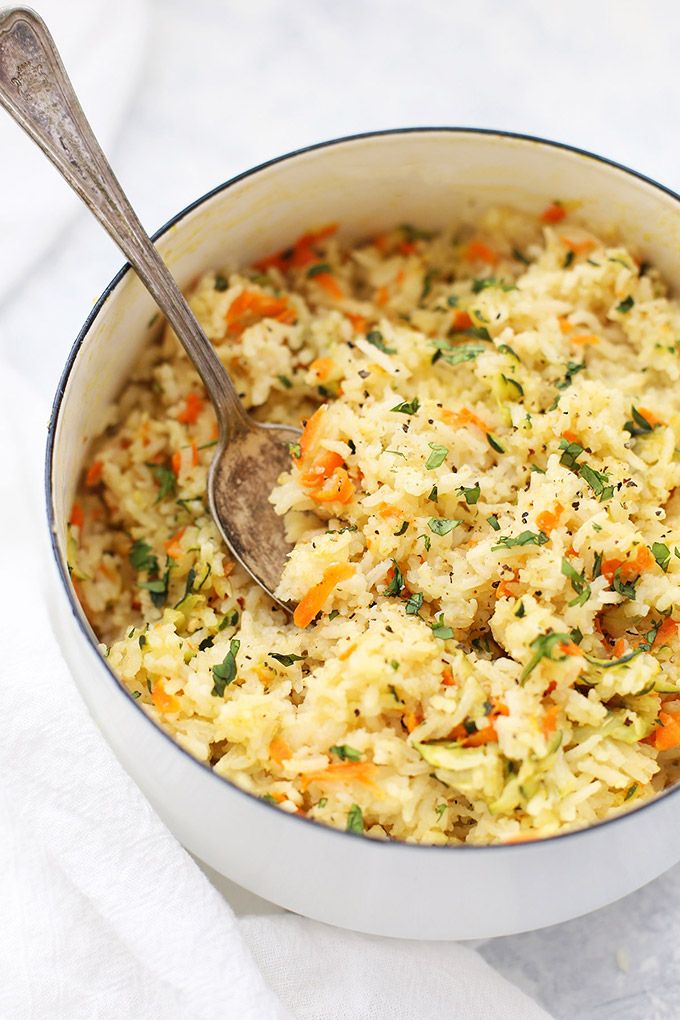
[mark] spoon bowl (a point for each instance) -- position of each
(37, 93)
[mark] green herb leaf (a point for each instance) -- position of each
(320, 267)
(437, 457)
(543, 647)
(225, 672)
(407, 406)
(158, 589)
(520, 257)
(402, 530)
(456, 355)
(414, 603)
(434, 494)
(573, 368)
(493, 521)
(471, 494)
(524, 538)
(285, 381)
(141, 557)
(221, 282)
(345, 753)
(286, 660)
(597, 565)
(571, 453)
(295, 450)
(662, 554)
(166, 479)
(596, 480)
(494, 444)
(442, 525)
(491, 281)
(625, 588)
(355, 819)
(439, 810)
(578, 583)
(568, 259)
(396, 584)
(639, 426)
(441, 630)
(427, 541)
(375, 337)
(625, 305)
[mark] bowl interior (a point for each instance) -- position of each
(431, 178)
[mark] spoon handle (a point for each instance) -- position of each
(37, 93)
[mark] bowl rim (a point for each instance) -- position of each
(85, 628)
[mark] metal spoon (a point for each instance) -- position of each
(249, 457)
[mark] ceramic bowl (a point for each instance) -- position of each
(431, 177)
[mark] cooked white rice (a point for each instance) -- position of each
(485, 526)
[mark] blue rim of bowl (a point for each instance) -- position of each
(63, 571)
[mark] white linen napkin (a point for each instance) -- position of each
(103, 913)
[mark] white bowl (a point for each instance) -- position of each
(429, 177)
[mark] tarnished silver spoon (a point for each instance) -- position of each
(249, 457)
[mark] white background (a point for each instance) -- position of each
(226, 85)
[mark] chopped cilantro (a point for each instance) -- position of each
(456, 355)
(158, 589)
(520, 257)
(345, 753)
(439, 810)
(631, 791)
(396, 584)
(333, 613)
(568, 259)
(625, 305)
(167, 481)
(524, 538)
(414, 603)
(286, 660)
(442, 525)
(285, 381)
(142, 558)
(519, 610)
(596, 480)
(375, 337)
(355, 819)
(322, 803)
(662, 554)
(434, 494)
(471, 494)
(407, 406)
(571, 453)
(320, 267)
(625, 588)
(221, 282)
(493, 521)
(440, 629)
(437, 457)
(573, 368)
(597, 565)
(578, 583)
(639, 426)
(491, 281)
(427, 541)
(225, 672)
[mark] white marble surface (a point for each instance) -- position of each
(229, 83)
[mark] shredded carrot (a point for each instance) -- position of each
(77, 518)
(549, 519)
(487, 734)
(321, 468)
(407, 247)
(342, 772)
(358, 321)
(650, 417)
(578, 247)
(172, 546)
(631, 567)
(400, 277)
(585, 339)
(465, 417)
(301, 252)
(665, 632)
(619, 648)
(412, 718)
(569, 648)
(310, 438)
(192, 408)
(380, 241)
(461, 320)
(477, 251)
(279, 750)
(448, 679)
(550, 688)
(609, 567)
(667, 735)
(315, 599)
(176, 462)
(385, 510)
(381, 296)
(553, 213)
(339, 488)
(549, 724)
(570, 436)
(250, 306)
(94, 475)
(504, 590)
(565, 325)
(322, 368)
(347, 652)
(328, 282)
(163, 701)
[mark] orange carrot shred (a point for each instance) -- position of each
(342, 772)
(339, 488)
(94, 475)
(279, 750)
(163, 701)
(321, 468)
(650, 417)
(553, 213)
(549, 724)
(665, 632)
(77, 518)
(477, 251)
(578, 247)
(549, 519)
(315, 599)
(328, 282)
(172, 546)
(192, 408)
(585, 339)
(570, 436)
(461, 320)
(667, 735)
(322, 368)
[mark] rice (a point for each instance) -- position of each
(484, 520)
